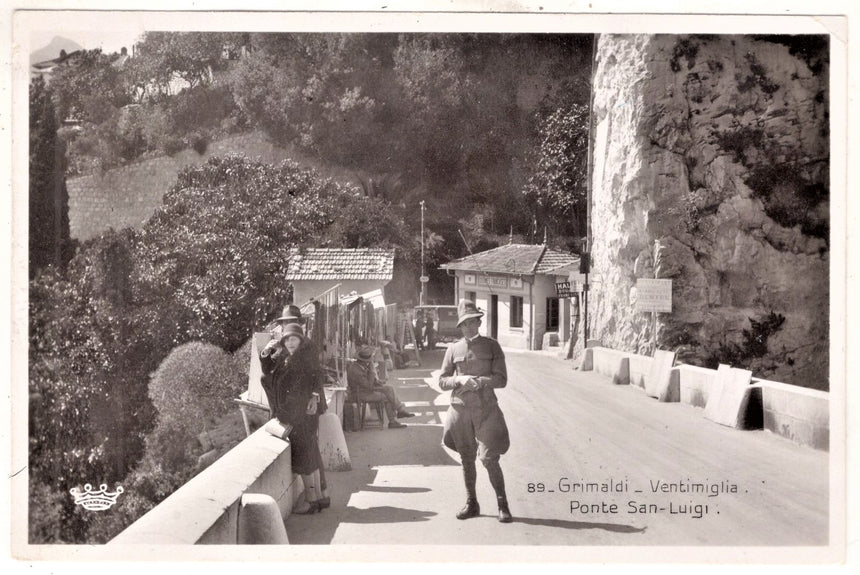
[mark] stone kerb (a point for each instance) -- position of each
(206, 509)
(799, 414)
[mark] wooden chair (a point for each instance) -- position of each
(362, 400)
(373, 399)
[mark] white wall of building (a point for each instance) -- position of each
(533, 289)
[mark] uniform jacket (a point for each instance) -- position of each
(482, 358)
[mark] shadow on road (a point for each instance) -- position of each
(563, 524)
(413, 445)
(385, 514)
(385, 489)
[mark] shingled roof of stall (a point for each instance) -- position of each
(341, 264)
(522, 259)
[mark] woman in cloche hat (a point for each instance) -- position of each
(291, 373)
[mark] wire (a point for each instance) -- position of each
(489, 287)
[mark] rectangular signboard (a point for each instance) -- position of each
(562, 289)
(653, 295)
(494, 281)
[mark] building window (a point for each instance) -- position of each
(552, 312)
(516, 311)
(472, 296)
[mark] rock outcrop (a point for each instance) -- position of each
(711, 168)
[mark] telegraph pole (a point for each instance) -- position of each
(424, 279)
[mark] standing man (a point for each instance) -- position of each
(419, 329)
(473, 368)
(430, 331)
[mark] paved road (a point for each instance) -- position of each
(570, 429)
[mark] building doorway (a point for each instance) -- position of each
(553, 309)
(494, 316)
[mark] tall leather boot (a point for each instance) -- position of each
(471, 509)
(504, 512)
(497, 480)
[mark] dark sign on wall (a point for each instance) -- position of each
(562, 289)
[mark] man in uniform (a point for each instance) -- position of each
(472, 369)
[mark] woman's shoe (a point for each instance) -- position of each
(325, 502)
(313, 507)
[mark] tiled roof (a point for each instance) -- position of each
(341, 264)
(553, 260)
(525, 259)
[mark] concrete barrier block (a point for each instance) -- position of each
(673, 394)
(640, 367)
(333, 449)
(796, 413)
(614, 364)
(695, 384)
(659, 382)
(730, 396)
(587, 363)
(260, 521)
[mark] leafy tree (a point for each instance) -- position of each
(89, 88)
(193, 57)
(558, 185)
(89, 367)
(218, 247)
(49, 241)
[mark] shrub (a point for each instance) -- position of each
(196, 382)
(199, 142)
(172, 145)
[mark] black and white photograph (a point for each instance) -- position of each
(399, 285)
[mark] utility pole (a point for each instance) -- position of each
(424, 279)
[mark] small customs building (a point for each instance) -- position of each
(313, 271)
(514, 285)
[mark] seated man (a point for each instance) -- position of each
(360, 375)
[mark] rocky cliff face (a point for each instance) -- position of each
(711, 168)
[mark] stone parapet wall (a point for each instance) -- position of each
(711, 164)
(127, 196)
(206, 509)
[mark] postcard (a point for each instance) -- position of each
(520, 284)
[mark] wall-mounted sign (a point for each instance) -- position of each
(516, 283)
(494, 281)
(562, 289)
(469, 279)
(653, 295)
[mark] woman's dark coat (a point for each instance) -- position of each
(289, 381)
